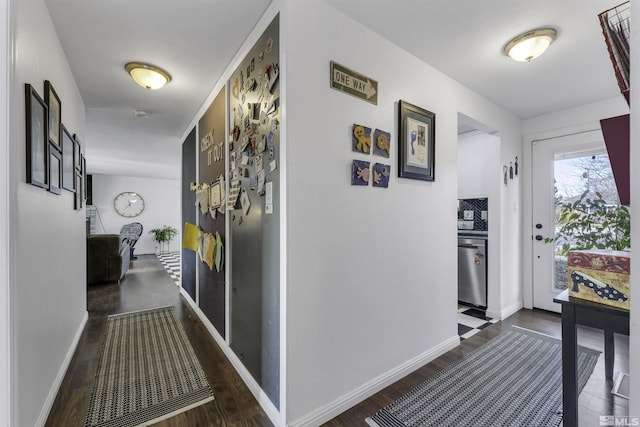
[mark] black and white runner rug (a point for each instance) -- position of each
(513, 380)
(147, 371)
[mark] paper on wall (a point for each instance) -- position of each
(245, 202)
(268, 198)
(215, 196)
(202, 198)
(208, 249)
(261, 181)
(269, 192)
(191, 237)
(234, 192)
(223, 194)
(219, 253)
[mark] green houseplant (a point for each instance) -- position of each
(164, 235)
(590, 222)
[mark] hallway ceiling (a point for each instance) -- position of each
(196, 39)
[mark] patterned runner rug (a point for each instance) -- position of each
(147, 371)
(171, 263)
(513, 380)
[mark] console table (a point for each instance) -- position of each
(576, 311)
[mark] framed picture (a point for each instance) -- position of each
(55, 170)
(77, 160)
(55, 114)
(416, 142)
(84, 178)
(68, 174)
(77, 200)
(37, 146)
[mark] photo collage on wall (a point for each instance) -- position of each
(254, 105)
(54, 159)
(363, 142)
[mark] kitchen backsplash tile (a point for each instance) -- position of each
(473, 214)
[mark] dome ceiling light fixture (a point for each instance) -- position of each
(146, 75)
(528, 46)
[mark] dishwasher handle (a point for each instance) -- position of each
(470, 246)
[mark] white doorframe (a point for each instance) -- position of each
(527, 194)
(545, 153)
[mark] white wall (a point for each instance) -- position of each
(162, 207)
(47, 237)
(371, 273)
(5, 300)
(478, 161)
(634, 342)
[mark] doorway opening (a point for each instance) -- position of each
(478, 225)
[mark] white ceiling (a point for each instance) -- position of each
(196, 39)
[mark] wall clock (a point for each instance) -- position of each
(128, 204)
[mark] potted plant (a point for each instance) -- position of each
(164, 236)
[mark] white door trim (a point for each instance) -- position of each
(527, 195)
(575, 144)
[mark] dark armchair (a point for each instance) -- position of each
(131, 233)
(107, 258)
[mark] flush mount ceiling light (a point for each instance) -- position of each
(530, 45)
(148, 76)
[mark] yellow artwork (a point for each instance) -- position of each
(361, 140)
(382, 146)
(192, 235)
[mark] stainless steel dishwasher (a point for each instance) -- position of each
(472, 271)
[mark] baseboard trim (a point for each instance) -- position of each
(57, 382)
(263, 400)
(504, 313)
(338, 406)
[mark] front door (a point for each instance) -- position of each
(563, 169)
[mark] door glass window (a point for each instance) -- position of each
(578, 175)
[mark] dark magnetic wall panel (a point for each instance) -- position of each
(188, 274)
(254, 114)
(211, 164)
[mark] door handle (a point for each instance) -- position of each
(539, 237)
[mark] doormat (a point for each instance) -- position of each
(514, 379)
(147, 371)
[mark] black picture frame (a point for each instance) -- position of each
(54, 115)
(77, 161)
(77, 199)
(55, 170)
(37, 146)
(84, 179)
(68, 169)
(416, 142)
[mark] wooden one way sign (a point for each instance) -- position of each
(353, 83)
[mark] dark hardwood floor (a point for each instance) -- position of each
(595, 399)
(147, 285)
